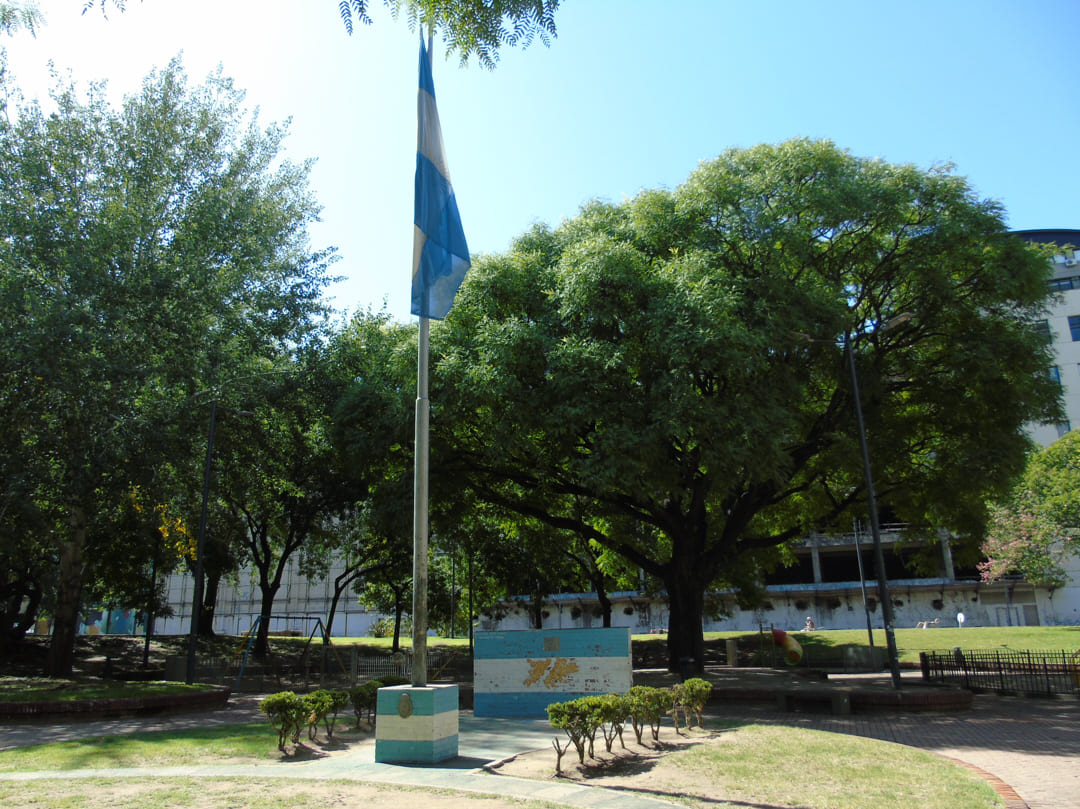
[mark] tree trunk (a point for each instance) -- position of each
(399, 609)
(341, 583)
(536, 611)
(686, 610)
(21, 601)
(605, 605)
(68, 599)
(206, 610)
(332, 613)
(262, 637)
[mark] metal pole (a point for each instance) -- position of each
(196, 598)
(875, 528)
(862, 587)
(420, 510)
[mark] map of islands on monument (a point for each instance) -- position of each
(520, 673)
(556, 671)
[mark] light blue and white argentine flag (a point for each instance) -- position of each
(440, 254)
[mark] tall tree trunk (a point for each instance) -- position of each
(69, 589)
(341, 583)
(605, 607)
(399, 610)
(209, 604)
(686, 610)
(536, 611)
(332, 613)
(262, 637)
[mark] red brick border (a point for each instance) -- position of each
(1007, 793)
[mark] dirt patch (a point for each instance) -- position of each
(642, 767)
(235, 793)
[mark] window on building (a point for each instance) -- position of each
(1063, 428)
(1061, 284)
(1074, 327)
(1043, 328)
(1055, 374)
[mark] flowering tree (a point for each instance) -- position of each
(1038, 528)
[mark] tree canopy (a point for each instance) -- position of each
(148, 254)
(667, 376)
(469, 27)
(15, 16)
(1037, 527)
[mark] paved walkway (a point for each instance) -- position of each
(1030, 745)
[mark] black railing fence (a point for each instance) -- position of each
(1036, 674)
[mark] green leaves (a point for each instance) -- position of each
(469, 27)
(666, 376)
(1034, 531)
(149, 254)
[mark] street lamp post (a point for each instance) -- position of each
(862, 589)
(875, 528)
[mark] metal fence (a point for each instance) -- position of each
(1036, 674)
(371, 667)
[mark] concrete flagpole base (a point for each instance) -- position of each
(416, 725)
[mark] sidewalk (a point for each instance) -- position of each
(1032, 745)
(482, 741)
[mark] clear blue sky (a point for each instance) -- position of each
(631, 95)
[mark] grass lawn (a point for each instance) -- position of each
(44, 689)
(255, 742)
(747, 765)
(910, 642)
(794, 767)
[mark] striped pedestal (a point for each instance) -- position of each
(416, 725)
(521, 673)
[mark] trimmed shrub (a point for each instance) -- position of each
(647, 707)
(364, 697)
(614, 712)
(690, 698)
(575, 721)
(323, 706)
(287, 714)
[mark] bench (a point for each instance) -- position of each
(839, 700)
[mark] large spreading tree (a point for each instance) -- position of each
(667, 376)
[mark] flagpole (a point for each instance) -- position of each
(420, 509)
(440, 261)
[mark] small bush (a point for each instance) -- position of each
(383, 628)
(323, 706)
(287, 714)
(690, 698)
(614, 713)
(647, 706)
(364, 697)
(571, 718)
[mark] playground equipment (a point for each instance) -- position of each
(792, 649)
